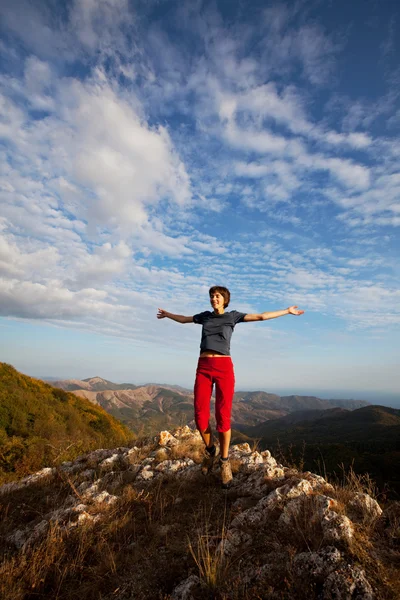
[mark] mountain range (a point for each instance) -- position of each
(150, 407)
(332, 426)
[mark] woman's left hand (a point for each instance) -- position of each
(293, 310)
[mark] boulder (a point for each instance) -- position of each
(316, 566)
(165, 438)
(108, 463)
(173, 466)
(348, 583)
(337, 528)
(363, 508)
(185, 589)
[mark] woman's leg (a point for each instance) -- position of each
(224, 442)
(202, 398)
(224, 390)
(207, 436)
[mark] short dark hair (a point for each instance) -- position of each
(225, 293)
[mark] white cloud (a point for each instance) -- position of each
(127, 164)
(52, 301)
(15, 263)
(102, 265)
(287, 108)
(98, 24)
(279, 177)
(288, 44)
(112, 166)
(378, 205)
(86, 28)
(346, 171)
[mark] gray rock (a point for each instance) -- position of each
(146, 473)
(110, 462)
(165, 438)
(233, 540)
(91, 490)
(321, 506)
(173, 466)
(45, 473)
(364, 508)
(317, 565)
(348, 583)
(184, 590)
(185, 433)
(337, 528)
(88, 474)
(95, 457)
(104, 498)
(28, 536)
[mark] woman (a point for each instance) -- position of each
(215, 366)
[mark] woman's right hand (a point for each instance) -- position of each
(161, 313)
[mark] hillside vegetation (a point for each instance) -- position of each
(41, 425)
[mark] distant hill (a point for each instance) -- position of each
(334, 425)
(40, 424)
(92, 384)
(294, 403)
(366, 439)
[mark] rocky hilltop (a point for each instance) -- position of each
(142, 523)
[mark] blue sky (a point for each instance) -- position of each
(152, 149)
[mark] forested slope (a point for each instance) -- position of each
(41, 425)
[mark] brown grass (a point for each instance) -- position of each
(188, 449)
(351, 483)
(208, 555)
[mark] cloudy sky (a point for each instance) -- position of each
(150, 149)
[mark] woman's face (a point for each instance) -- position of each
(217, 301)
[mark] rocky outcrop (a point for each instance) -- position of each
(268, 497)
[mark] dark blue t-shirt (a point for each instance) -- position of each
(217, 330)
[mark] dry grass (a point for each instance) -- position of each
(208, 555)
(392, 524)
(188, 449)
(351, 483)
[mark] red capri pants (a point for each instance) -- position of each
(212, 370)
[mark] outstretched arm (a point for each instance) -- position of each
(292, 310)
(162, 314)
